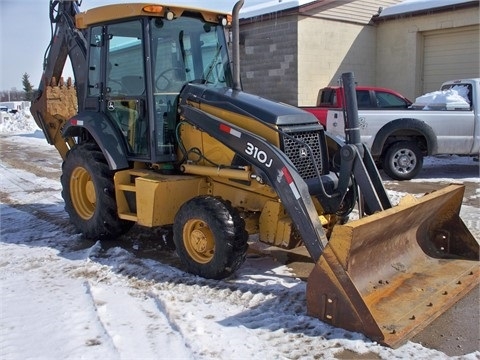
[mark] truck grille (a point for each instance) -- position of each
(305, 147)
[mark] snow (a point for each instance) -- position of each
(408, 6)
(20, 122)
(254, 8)
(63, 297)
(454, 98)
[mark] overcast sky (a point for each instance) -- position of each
(24, 33)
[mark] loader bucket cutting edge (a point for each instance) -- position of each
(390, 274)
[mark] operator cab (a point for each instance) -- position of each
(137, 68)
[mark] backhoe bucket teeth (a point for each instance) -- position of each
(56, 104)
(390, 274)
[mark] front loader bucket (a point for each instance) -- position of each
(390, 274)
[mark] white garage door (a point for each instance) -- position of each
(450, 54)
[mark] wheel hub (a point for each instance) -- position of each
(90, 192)
(82, 192)
(405, 160)
(199, 241)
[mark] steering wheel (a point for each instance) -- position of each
(162, 82)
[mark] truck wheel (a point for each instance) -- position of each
(403, 160)
(88, 192)
(210, 237)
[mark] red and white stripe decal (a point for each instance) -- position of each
(289, 179)
(230, 131)
(76, 122)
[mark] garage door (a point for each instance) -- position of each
(450, 54)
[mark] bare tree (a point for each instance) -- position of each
(12, 95)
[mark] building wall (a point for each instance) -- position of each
(328, 48)
(268, 57)
(400, 47)
(289, 56)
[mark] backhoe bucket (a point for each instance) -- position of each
(390, 274)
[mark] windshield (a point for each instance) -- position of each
(185, 49)
(188, 50)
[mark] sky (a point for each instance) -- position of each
(82, 289)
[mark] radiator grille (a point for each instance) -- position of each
(305, 150)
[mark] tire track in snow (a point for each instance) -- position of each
(53, 214)
(133, 323)
(106, 338)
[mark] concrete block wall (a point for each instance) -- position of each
(268, 57)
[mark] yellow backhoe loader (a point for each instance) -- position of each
(157, 131)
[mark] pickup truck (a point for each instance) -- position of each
(399, 139)
(368, 98)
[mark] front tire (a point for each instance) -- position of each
(88, 192)
(403, 160)
(210, 237)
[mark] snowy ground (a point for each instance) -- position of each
(63, 297)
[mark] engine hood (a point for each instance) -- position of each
(240, 102)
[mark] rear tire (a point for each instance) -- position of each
(403, 160)
(210, 237)
(88, 192)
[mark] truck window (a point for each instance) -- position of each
(464, 90)
(387, 100)
(327, 98)
(363, 99)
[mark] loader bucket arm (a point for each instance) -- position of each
(57, 101)
(281, 174)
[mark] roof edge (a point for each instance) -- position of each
(468, 4)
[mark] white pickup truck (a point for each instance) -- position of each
(399, 139)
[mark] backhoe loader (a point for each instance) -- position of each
(157, 131)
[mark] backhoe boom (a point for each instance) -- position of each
(56, 101)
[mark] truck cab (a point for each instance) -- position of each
(435, 124)
(368, 98)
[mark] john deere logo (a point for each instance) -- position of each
(303, 152)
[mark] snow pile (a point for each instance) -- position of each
(455, 98)
(20, 123)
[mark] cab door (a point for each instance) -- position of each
(125, 86)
